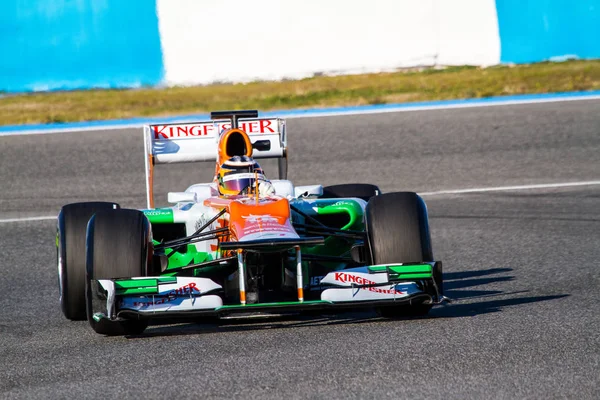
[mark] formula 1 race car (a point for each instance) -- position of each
(228, 247)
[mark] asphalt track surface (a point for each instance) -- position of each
(522, 267)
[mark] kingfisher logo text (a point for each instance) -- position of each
(162, 132)
(359, 280)
(171, 295)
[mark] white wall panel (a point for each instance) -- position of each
(205, 41)
(468, 32)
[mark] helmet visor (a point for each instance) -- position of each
(241, 182)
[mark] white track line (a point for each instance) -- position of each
(510, 188)
(438, 193)
(26, 219)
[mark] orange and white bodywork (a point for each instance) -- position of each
(212, 140)
(249, 220)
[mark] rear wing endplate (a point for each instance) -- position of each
(198, 141)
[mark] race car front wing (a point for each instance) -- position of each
(368, 286)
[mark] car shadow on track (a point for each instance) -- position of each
(467, 302)
(459, 287)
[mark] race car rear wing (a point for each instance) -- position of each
(198, 141)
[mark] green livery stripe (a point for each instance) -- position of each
(284, 303)
(160, 215)
(191, 256)
(411, 269)
(402, 269)
(147, 290)
(349, 207)
(410, 276)
(135, 283)
(404, 272)
(130, 283)
(167, 279)
(141, 286)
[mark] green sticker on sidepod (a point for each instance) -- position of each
(160, 215)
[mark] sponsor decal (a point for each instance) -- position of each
(187, 289)
(200, 222)
(263, 217)
(209, 129)
(341, 203)
(149, 302)
(359, 280)
(182, 304)
(157, 212)
(159, 215)
(315, 280)
(267, 225)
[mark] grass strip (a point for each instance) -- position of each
(322, 91)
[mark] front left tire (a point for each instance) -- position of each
(70, 255)
(398, 232)
(119, 245)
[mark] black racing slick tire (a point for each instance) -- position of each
(118, 246)
(70, 254)
(361, 190)
(398, 232)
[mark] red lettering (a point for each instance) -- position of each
(162, 132)
(185, 289)
(158, 132)
(182, 129)
(339, 276)
(264, 125)
(195, 130)
(253, 127)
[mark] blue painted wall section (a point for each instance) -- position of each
(537, 30)
(70, 44)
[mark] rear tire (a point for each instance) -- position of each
(361, 190)
(118, 246)
(70, 254)
(398, 232)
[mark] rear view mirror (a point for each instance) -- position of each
(308, 191)
(262, 145)
(181, 197)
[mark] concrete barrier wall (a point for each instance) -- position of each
(68, 44)
(536, 30)
(273, 39)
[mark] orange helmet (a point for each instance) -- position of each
(239, 175)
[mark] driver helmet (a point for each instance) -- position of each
(239, 175)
